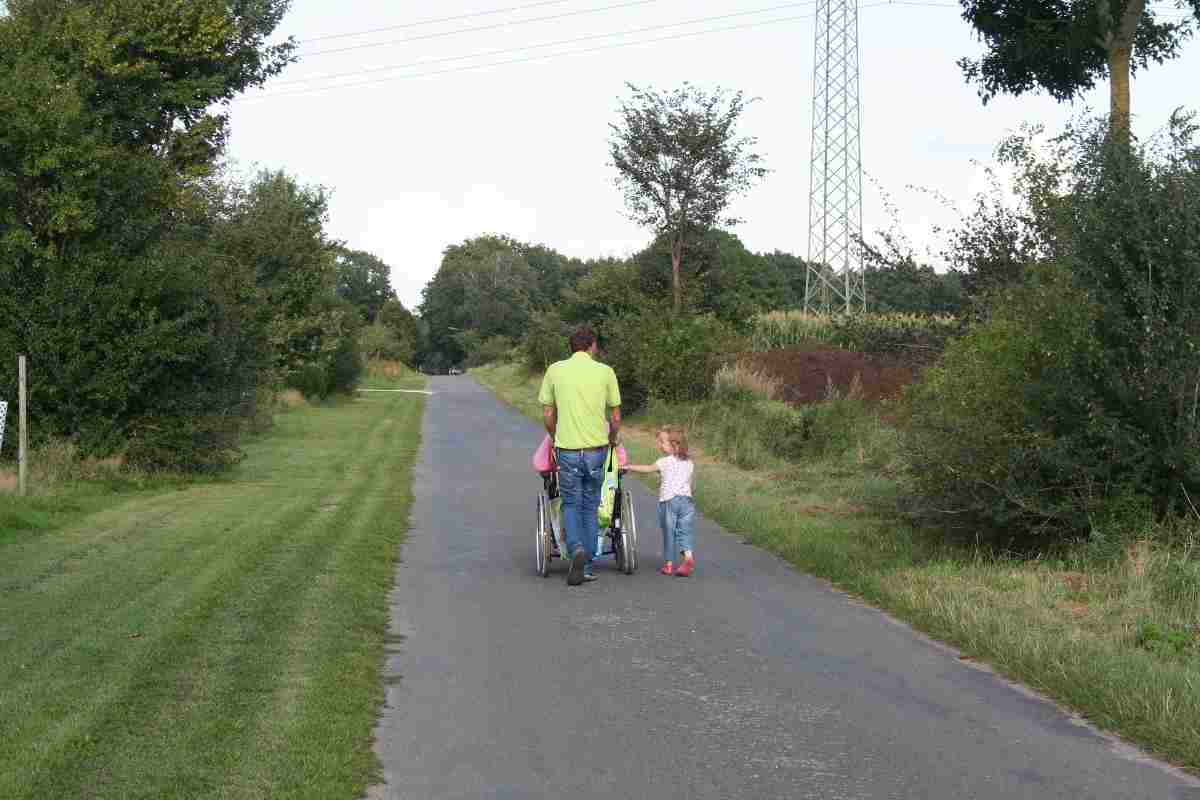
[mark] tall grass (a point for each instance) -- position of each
(392, 370)
(866, 333)
(741, 380)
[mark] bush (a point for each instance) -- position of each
(667, 358)
(489, 351)
(379, 341)
(1078, 394)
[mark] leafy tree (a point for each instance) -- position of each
(721, 277)
(545, 340)
(680, 161)
(278, 226)
(609, 288)
(1064, 48)
(555, 275)
(793, 272)
(364, 280)
(406, 329)
(113, 120)
(483, 285)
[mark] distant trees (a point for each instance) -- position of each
(679, 162)
(488, 287)
(1064, 48)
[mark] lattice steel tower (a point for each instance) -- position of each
(835, 280)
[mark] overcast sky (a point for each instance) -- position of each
(418, 163)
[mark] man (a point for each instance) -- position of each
(581, 407)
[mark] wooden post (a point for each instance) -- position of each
(22, 430)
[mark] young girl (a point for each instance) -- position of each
(676, 509)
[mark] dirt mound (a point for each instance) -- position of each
(807, 371)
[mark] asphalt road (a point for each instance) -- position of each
(747, 680)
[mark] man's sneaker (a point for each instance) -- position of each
(590, 576)
(685, 569)
(575, 571)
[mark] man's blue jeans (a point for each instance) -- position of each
(580, 475)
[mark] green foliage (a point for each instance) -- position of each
(406, 329)
(672, 359)
(720, 277)
(134, 332)
(485, 285)
(489, 351)
(324, 346)
(609, 288)
(378, 341)
(898, 284)
(1079, 392)
(1166, 640)
(545, 341)
(364, 281)
(1064, 48)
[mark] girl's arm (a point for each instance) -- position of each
(647, 468)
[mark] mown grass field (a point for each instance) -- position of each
(212, 639)
(1072, 630)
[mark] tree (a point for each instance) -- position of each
(406, 329)
(364, 280)
(112, 124)
(720, 276)
(609, 288)
(1063, 48)
(680, 162)
(483, 285)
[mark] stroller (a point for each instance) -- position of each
(618, 538)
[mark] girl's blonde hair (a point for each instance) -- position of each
(678, 440)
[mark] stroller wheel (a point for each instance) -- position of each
(629, 542)
(543, 532)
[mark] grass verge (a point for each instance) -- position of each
(215, 639)
(1117, 642)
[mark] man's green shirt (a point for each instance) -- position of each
(582, 390)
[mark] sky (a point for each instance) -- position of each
(417, 161)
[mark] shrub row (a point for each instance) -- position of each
(1072, 407)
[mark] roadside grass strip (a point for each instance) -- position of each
(220, 640)
(1069, 631)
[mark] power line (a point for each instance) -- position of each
(525, 60)
(577, 40)
(614, 46)
(436, 21)
(1162, 6)
(492, 27)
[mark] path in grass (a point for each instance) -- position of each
(217, 641)
(748, 680)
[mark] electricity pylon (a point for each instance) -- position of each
(835, 279)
